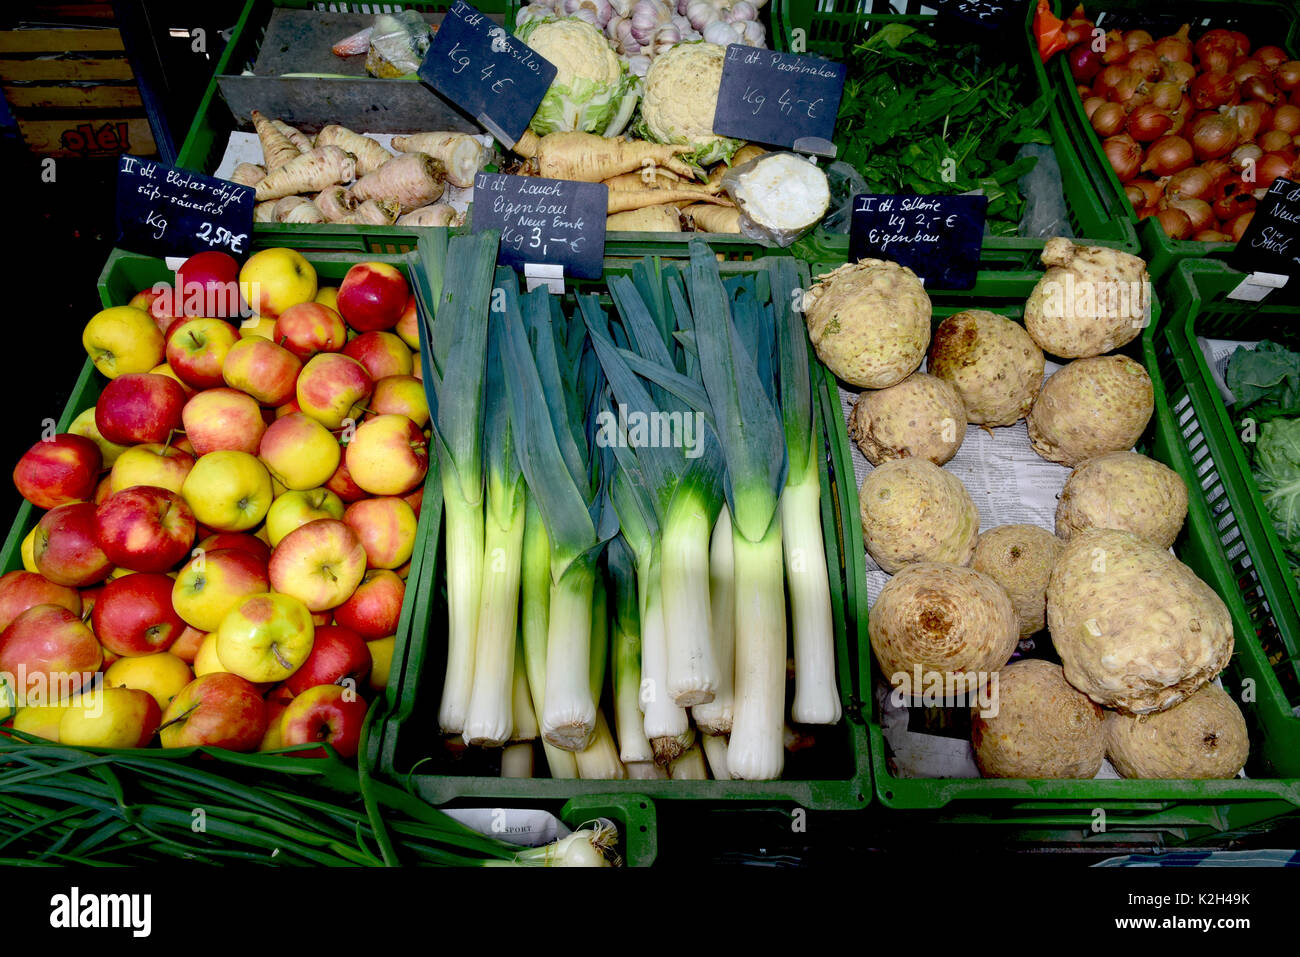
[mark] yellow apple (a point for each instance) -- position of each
(28, 552)
(111, 718)
(84, 425)
(296, 508)
(228, 491)
(263, 326)
(274, 279)
(299, 452)
(388, 455)
(215, 582)
(40, 720)
(207, 662)
(320, 563)
(381, 661)
(123, 339)
(328, 296)
(151, 464)
(400, 395)
(163, 675)
(266, 637)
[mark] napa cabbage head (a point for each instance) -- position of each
(592, 92)
(681, 96)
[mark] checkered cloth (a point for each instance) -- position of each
(1270, 858)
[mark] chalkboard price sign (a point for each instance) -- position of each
(937, 237)
(781, 99)
(1271, 243)
(498, 80)
(176, 212)
(544, 221)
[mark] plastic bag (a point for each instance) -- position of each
(845, 182)
(398, 43)
(781, 196)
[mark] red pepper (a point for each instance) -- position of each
(1047, 28)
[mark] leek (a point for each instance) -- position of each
(599, 761)
(625, 652)
(689, 765)
(715, 718)
(715, 751)
(517, 760)
(523, 717)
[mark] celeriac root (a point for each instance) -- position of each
(461, 154)
(295, 136)
(412, 179)
(589, 158)
(277, 150)
(373, 212)
(649, 219)
(336, 202)
(310, 172)
(370, 155)
(248, 174)
(437, 214)
(705, 218)
(623, 200)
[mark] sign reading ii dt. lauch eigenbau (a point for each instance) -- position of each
(544, 221)
(164, 211)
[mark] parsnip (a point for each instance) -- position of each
(373, 212)
(622, 200)
(309, 172)
(527, 145)
(370, 155)
(461, 154)
(655, 177)
(295, 136)
(248, 174)
(412, 179)
(264, 212)
(743, 155)
(592, 159)
(336, 202)
(705, 218)
(277, 150)
(437, 214)
(305, 212)
(649, 219)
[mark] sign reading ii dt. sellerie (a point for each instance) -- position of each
(1271, 243)
(781, 99)
(498, 80)
(544, 221)
(937, 237)
(165, 211)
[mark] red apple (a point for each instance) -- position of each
(388, 455)
(134, 615)
(240, 540)
(208, 284)
(337, 655)
(145, 298)
(341, 484)
(66, 546)
(139, 407)
(61, 470)
(102, 491)
(50, 653)
(218, 419)
(219, 710)
(187, 645)
(262, 369)
(20, 590)
(320, 563)
(286, 408)
(333, 387)
(373, 296)
(164, 308)
(382, 353)
(326, 713)
(145, 528)
(197, 349)
(408, 326)
(415, 498)
(374, 609)
(309, 328)
(386, 526)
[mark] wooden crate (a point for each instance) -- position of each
(73, 93)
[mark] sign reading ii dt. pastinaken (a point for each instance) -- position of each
(778, 98)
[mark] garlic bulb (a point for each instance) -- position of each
(721, 33)
(743, 10)
(701, 13)
(638, 65)
(753, 34)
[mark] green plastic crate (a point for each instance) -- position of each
(1264, 21)
(409, 750)
(1179, 810)
(833, 27)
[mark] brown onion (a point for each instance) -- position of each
(1212, 236)
(1176, 48)
(1249, 117)
(1168, 155)
(1195, 182)
(1181, 73)
(1152, 191)
(1124, 154)
(1259, 88)
(1249, 66)
(1135, 40)
(1085, 62)
(1175, 223)
(1137, 199)
(1237, 226)
(1232, 198)
(1148, 122)
(1145, 63)
(1274, 140)
(1287, 76)
(1090, 104)
(1213, 135)
(1078, 28)
(1198, 212)
(1272, 57)
(1113, 51)
(1166, 95)
(1270, 167)
(1242, 41)
(1210, 90)
(1130, 85)
(1107, 77)
(1287, 119)
(1108, 119)
(1247, 154)
(1217, 168)
(1216, 50)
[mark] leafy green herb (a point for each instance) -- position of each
(1277, 469)
(925, 117)
(1265, 380)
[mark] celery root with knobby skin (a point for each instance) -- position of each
(308, 173)
(248, 174)
(461, 154)
(589, 158)
(370, 155)
(277, 149)
(435, 214)
(412, 180)
(295, 136)
(649, 219)
(373, 212)
(623, 200)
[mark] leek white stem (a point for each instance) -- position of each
(664, 721)
(689, 765)
(599, 761)
(490, 718)
(587, 847)
(521, 701)
(534, 615)
(464, 551)
(816, 698)
(517, 760)
(628, 720)
(716, 716)
(569, 711)
(645, 771)
(715, 750)
(692, 669)
(756, 751)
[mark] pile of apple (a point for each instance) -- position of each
(229, 529)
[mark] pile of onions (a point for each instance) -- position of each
(1196, 131)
